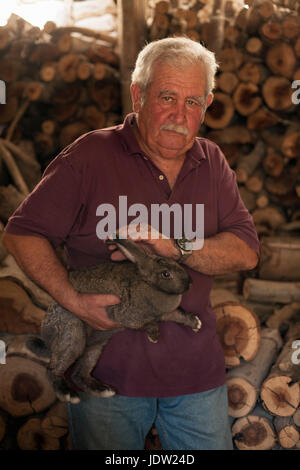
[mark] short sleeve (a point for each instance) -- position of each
(51, 209)
(233, 215)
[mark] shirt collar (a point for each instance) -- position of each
(195, 154)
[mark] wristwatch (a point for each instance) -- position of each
(184, 246)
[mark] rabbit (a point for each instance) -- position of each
(150, 289)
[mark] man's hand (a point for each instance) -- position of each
(91, 309)
(151, 240)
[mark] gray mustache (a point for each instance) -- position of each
(174, 127)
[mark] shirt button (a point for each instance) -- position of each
(161, 177)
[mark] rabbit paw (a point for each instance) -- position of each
(93, 386)
(198, 326)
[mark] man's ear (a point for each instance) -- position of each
(209, 99)
(136, 96)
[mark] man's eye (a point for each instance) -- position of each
(193, 103)
(167, 98)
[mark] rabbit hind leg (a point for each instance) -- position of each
(66, 341)
(185, 318)
(81, 375)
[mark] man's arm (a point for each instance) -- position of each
(37, 258)
(222, 253)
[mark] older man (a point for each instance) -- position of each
(153, 158)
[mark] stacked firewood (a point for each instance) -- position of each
(60, 83)
(255, 114)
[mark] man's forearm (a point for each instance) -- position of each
(37, 258)
(222, 253)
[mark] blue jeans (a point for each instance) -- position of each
(188, 422)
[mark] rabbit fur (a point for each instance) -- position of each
(150, 289)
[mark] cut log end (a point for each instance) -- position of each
(280, 396)
(26, 389)
(238, 331)
(241, 397)
(253, 433)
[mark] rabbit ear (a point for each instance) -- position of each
(130, 249)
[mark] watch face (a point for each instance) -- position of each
(185, 244)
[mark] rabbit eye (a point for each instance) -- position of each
(165, 275)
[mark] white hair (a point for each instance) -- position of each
(177, 52)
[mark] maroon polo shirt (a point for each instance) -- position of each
(99, 167)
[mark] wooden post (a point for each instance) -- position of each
(132, 35)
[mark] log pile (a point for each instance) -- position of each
(255, 114)
(60, 83)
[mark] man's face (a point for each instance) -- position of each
(174, 109)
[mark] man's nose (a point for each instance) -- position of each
(179, 110)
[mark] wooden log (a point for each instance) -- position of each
(280, 391)
(243, 382)
(85, 70)
(107, 96)
(281, 185)
(296, 418)
(71, 132)
(254, 432)
(214, 31)
(10, 199)
(221, 111)
(93, 117)
(20, 345)
(277, 93)
(255, 182)
(230, 59)
(291, 27)
(254, 45)
(25, 388)
(287, 433)
(48, 71)
(67, 67)
(273, 163)
(270, 32)
(238, 331)
(297, 47)
(261, 119)
(271, 291)
(246, 98)
(159, 27)
(18, 313)
(14, 170)
(280, 259)
(262, 199)
(235, 134)
(105, 72)
(8, 110)
(291, 142)
(62, 31)
(248, 163)
(283, 315)
(10, 270)
(266, 9)
(252, 72)
(31, 436)
(270, 216)
(55, 423)
(227, 82)
(248, 198)
(281, 59)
